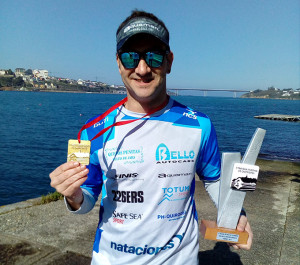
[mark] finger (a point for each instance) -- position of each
(64, 167)
(63, 182)
(242, 223)
(76, 177)
(64, 175)
(250, 238)
(234, 246)
(73, 189)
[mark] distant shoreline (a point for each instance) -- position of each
(60, 91)
(3, 89)
(272, 98)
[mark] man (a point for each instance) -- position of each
(145, 163)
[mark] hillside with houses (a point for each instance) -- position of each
(40, 80)
(274, 93)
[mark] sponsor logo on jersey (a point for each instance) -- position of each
(128, 196)
(119, 217)
(127, 176)
(163, 175)
(101, 122)
(175, 193)
(147, 250)
(171, 216)
(190, 114)
(118, 220)
(125, 156)
(164, 155)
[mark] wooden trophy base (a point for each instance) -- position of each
(211, 231)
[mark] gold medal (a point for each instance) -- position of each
(79, 151)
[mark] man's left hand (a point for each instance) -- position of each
(243, 225)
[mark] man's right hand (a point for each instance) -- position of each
(67, 179)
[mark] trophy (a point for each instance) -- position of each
(237, 176)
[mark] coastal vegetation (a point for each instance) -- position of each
(51, 197)
(11, 81)
(274, 93)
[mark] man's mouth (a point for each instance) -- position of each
(145, 81)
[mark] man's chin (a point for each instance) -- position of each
(143, 85)
(144, 90)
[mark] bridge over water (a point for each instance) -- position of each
(205, 90)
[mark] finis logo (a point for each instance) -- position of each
(190, 114)
(128, 175)
(164, 155)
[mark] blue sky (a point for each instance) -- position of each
(218, 44)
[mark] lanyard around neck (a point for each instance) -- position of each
(119, 123)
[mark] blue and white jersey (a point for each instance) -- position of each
(146, 173)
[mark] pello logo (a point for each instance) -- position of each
(164, 155)
(175, 193)
(146, 250)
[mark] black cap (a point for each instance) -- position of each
(142, 25)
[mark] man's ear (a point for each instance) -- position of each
(118, 62)
(170, 58)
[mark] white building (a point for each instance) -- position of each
(40, 73)
(19, 72)
(80, 82)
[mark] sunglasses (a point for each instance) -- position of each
(153, 59)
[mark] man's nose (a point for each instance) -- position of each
(142, 68)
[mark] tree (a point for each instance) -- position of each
(28, 72)
(10, 72)
(5, 81)
(18, 81)
(257, 91)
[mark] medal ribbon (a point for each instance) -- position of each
(119, 123)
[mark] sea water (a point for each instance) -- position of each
(36, 126)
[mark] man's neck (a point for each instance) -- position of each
(145, 106)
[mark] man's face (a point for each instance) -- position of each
(143, 83)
